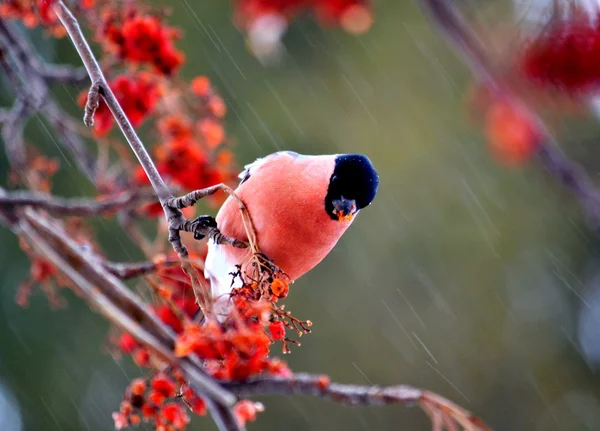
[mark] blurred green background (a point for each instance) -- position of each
(463, 277)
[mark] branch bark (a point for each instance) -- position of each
(76, 207)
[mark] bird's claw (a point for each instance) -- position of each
(201, 224)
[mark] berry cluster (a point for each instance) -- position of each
(140, 39)
(38, 12)
(265, 21)
(565, 55)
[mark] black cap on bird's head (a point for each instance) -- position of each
(352, 186)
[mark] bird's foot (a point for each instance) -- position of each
(201, 224)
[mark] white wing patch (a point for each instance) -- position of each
(251, 168)
(218, 269)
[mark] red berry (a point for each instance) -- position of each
(277, 330)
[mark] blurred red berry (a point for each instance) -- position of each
(141, 39)
(163, 385)
(127, 343)
(566, 55)
(512, 132)
(277, 330)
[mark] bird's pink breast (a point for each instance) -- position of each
(286, 200)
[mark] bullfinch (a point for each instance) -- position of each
(300, 206)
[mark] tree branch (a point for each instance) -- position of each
(12, 135)
(26, 72)
(355, 395)
(114, 300)
(125, 271)
(76, 207)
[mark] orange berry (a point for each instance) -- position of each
(217, 106)
(280, 288)
(323, 382)
(138, 387)
(511, 132)
(212, 131)
(201, 85)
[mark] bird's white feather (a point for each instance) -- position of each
(217, 270)
(251, 168)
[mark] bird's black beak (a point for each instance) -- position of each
(344, 209)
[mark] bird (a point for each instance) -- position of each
(300, 206)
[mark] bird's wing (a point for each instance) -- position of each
(250, 168)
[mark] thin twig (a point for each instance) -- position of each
(125, 271)
(63, 74)
(77, 207)
(356, 395)
(12, 135)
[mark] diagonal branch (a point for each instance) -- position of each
(114, 300)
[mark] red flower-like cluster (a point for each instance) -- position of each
(237, 351)
(138, 95)
(156, 402)
(353, 15)
(141, 39)
(566, 55)
(191, 154)
(37, 12)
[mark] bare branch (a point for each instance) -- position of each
(63, 74)
(25, 69)
(12, 135)
(76, 207)
(314, 385)
(126, 271)
(355, 395)
(99, 88)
